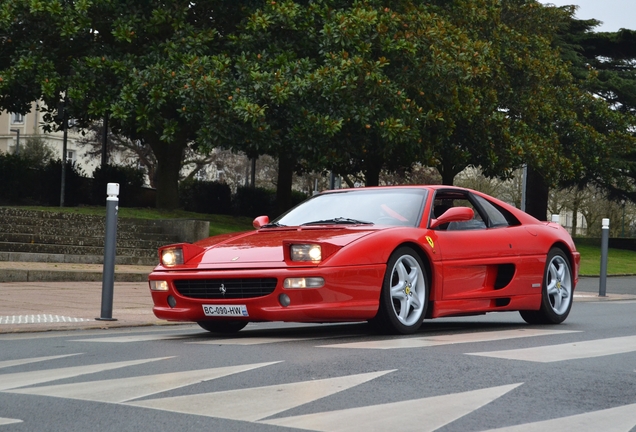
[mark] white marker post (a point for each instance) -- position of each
(604, 246)
(110, 248)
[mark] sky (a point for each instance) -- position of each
(615, 14)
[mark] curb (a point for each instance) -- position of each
(22, 275)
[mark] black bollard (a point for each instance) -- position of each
(604, 246)
(110, 247)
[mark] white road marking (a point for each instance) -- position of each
(619, 419)
(249, 340)
(134, 338)
(431, 341)
(126, 389)
(418, 415)
(23, 379)
(40, 318)
(18, 362)
(6, 421)
(197, 339)
(257, 403)
(569, 351)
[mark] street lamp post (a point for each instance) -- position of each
(17, 142)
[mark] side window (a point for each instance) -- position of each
(497, 216)
(445, 201)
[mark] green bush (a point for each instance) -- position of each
(205, 197)
(254, 202)
(18, 181)
(75, 185)
(37, 152)
(130, 181)
(298, 197)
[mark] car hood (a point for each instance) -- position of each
(266, 245)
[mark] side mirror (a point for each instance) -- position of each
(454, 214)
(260, 221)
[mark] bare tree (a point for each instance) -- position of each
(119, 149)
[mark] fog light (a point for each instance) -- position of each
(156, 285)
(172, 302)
(309, 282)
(284, 300)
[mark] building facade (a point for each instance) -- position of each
(16, 129)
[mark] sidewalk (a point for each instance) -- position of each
(45, 306)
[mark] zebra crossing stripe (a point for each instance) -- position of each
(125, 389)
(569, 351)
(23, 379)
(421, 415)
(619, 419)
(7, 421)
(431, 341)
(250, 340)
(257, 403)
(9, 363)
(196, 339)
(134, 338)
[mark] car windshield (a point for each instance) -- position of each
(399, 206)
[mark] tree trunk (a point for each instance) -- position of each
(372, 172)
(575, 214)
(284, 183)
(448, 173)
(169, 158)
(537, 194)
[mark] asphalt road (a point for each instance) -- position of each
(461, 374)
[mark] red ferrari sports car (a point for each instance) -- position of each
(388, 255)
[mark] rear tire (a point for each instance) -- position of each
(557, 291)
(404, 294)
(224, 327)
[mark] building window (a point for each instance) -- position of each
(70, 156)
(17, 118)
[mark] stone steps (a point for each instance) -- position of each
(73, 240)
(151, 233)
(79, 241)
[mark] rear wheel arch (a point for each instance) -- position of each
(557, 290)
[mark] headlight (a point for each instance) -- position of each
(306, 252)
(172, 257)
(158, 285)
(309, 282)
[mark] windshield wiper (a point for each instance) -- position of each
(273, 225)
(338, 221)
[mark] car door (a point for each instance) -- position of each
(480, 258)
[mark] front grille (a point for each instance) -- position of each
(234, 288)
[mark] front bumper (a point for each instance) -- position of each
(350, 293)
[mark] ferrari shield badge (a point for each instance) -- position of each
(430, 241)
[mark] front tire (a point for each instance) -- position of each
(404, 294)
(557, 291)
(225, 327)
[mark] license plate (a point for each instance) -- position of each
(225, 310)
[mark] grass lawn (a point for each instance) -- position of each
(619, 261)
